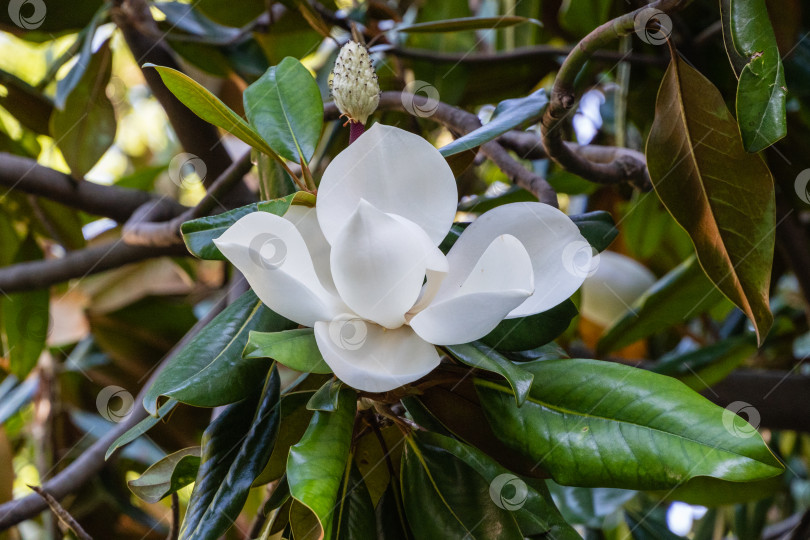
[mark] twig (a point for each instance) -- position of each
(79, 472)
(563, 99)
(63, 515)
(27, 176)
(44, 273)
(174, 530)
(154, 226)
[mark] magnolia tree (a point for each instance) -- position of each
(353, 270)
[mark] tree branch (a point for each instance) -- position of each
(28, 176)
(86, 466)
(76, 264)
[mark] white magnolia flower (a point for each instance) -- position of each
(610, 290)
(364, 270)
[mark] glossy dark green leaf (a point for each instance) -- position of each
(25, 319)
(210, 108)
(594, 423)
(85, 129)
(210, 371)
(189, 18)
(467, 23)
(482, 204)
(722, 195)
(66, 85)
(316, 464)
(712, 492)
(327, 398)
(597, 227)
(682, 294)
(530, 332)
(509, 114)
(391, 521)
(295, 418)
(354, 513)
(285, 107)
(530, 500)
(446, 498)
(236, 14)
(235, 450)
(141, 427)
(588, 506)
(709, 365)
(168, 475)
(480, 356)
(32, 108)
(199, 234)
(296, 349)
(54, 17)
(761, 90)
(61, 223)
(643, 526)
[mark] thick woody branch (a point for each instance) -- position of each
(461, 122)
(27, 176)
(76, 264)
(563, 100)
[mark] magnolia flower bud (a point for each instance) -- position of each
(354, 83)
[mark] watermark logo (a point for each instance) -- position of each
(27, 14)
(187, 170)
(508, 491)
(415, 103)
(801, 185)
(734, 425)
(580, 259)
(268, 251)
(349, 332)
(114, 403)
(653, 26)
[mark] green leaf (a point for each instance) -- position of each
(327, 398)
(712, 492)
(483, 357)
(199, 234)
(682, 294)
(316, 464)
(25, 319)
(285, 107)
(210, 370)
(597, 227)
(536, 513)
(141, 427)
(235, 450)
(168, 475)
(391, 521)
(446, 498)
(720, 194)
(593, 423)
(66, 85)
(210, 108)
(708, 366)
(761, 91)
(481, 204)
(509, 114)
(295, 349)
(588, 506)
(645, 527)
(236, 14)
(530, 332)
(467, 23)
(85, 128)
(582, 16)
(354, 512)
(295, 418)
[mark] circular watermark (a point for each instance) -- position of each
(268, 251)
(116, 90)
(733, 424)
(580, 259)
(508, 491)
(349, 332)
(34, 323)
(187, 170)
(418, 105)
(114, 403)
(27, 14)
(801, 185)
(653, 26)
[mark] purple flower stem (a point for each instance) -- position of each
(356, 129)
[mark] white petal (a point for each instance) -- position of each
(306, 221)
(379, 263)
(397, 172)
(274, 258)
(617, 282)
(501, 280)
(560, 255)
(371, 358)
